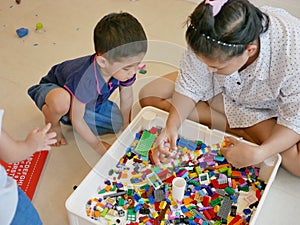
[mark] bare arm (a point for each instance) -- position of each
(37, 140)
(240, 154)
(181, 107)
(179, 111)
(126, 101)
(77, 117)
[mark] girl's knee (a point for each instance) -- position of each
(156, 92)
(291, 160)
(144, 92)
(147, 101)
(146, 95)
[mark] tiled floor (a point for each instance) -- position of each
(67, 34)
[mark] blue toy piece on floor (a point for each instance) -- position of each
(21, 32)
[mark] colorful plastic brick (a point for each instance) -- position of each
(145, 143)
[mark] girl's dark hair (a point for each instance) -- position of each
(229, 32)
(119, 35)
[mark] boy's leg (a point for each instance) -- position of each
(25, 214)
(54, 102)
(106, 119)
(57, 104)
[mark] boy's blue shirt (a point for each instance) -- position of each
(82, 78)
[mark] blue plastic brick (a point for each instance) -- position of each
(21, 32)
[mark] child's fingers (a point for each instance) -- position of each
(35, 130)
(162, 146)
(230, 140)
(173, 144)
(161, 152)
(52, 141)
(51, 135)
(155, 156)
(164, 149)
(46, 128)
(224, 151)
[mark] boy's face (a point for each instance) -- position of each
(123, 69)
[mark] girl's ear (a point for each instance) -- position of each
(102, 61)
(251, 49)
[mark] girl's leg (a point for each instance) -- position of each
(290, 158)
(57, 104)
(216, 119)
(261, 131)
(158, 93)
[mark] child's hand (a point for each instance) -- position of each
(240, 154)
(40, 139)
(165, 142)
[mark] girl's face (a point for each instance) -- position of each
(232, 65)
(123, 69)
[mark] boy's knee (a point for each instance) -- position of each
(59, 104)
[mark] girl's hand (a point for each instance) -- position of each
(240, 154)
(41, 139)
(165, 142)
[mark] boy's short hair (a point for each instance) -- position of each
(119, 35)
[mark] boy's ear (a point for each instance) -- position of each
(102, 61)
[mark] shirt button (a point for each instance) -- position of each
(238, 83)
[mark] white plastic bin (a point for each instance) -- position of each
(147, 118)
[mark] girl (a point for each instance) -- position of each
(240, 74)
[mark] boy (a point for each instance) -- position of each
(76, 91)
